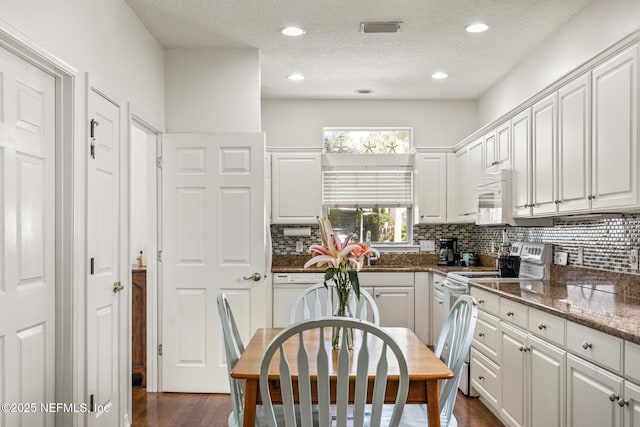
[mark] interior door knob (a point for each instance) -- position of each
(255, 277)
(117, 287)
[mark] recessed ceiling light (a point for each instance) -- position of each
(364, 91)
(477, 28)
(292, 31)
(439, 75)
(296, 77)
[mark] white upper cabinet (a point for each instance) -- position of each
(615, 132)
(543, 168)
(497, 148)
(432, 188)
(468, 167)
(297, 188)
(574, 146)
(521, 162)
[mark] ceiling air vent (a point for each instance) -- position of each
(380, 27)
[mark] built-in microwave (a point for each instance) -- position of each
(494, 199)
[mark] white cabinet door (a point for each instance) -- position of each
(513, 343)
(297, 188)
(432, 188)
(543, 168)
(591, 395)
(475, 171)
(497, 148)
(396, 305)
(461, 188)
(521, 161)
(546, 387)
(615, 132)
(631, 403)
(574, 146)
(503, 145)
(490, 143)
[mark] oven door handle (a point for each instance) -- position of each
(454, 287)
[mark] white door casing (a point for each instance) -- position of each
(27, 239)
(213, 236)
(103, 248)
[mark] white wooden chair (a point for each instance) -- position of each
(234, 348)
(364, 331)
(319, 301)
(452, 347)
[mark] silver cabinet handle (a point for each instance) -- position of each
(623, 402)
(481, 334)
(510, 313)
(587, 345)
(481, 378)
(377, 294)
(440, 302)
(613, 397)
(542, 326)
(481, 302)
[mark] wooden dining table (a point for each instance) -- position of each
(425, 370)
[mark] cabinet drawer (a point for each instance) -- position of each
(385, 279)
(487, 301)
(485, 337)
(485, 378)
(596, 346)
(513, 312)
(547, 326)
(632, 361)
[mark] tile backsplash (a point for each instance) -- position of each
(606, 241)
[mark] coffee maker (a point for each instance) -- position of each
(448, 251)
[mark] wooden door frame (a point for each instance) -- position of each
(69, 370)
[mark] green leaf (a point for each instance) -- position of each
(328, 275)
(355, 283)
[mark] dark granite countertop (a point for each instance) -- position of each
(590, 304)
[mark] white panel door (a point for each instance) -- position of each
(476, 169)
(547, 379)
(396, 305)
(543, 143)
(514, 374)
(574, 146)
(27, 239)
(631, 402)
(297, 188)
(615, 132)
(213, 238)
(103, 246)
(461, 194)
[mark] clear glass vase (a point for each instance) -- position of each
(342, 310)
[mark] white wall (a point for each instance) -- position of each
(597, 27)
(139, 201)
(212, 90)
(102, 37)
(299, 123)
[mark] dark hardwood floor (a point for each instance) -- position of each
(212, 410)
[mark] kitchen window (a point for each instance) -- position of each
(366, 191)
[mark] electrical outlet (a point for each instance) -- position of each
(633, 259)
(560, 258)
(580, 257)
(299, 246)
(427, 245)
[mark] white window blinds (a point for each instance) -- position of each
(370, 188)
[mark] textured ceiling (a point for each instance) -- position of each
(336, 59)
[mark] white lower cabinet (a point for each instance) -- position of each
(592, 395)
(631, 404)
(394, 296)
(485, 378)
(513, 341)
(547, 384)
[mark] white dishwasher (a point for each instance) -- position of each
(286, 288)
